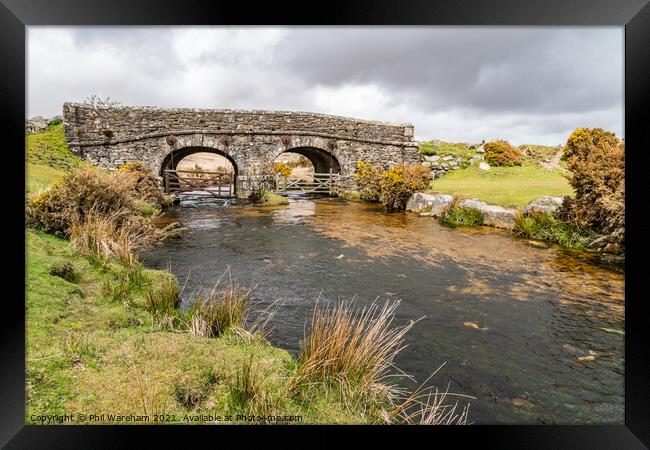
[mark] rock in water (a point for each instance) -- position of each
(612, 248)
(495, 216)
(434, 204)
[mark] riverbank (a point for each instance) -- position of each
(88, 354)
(107, 341)
(488, 300)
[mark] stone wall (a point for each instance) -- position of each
(111, 136)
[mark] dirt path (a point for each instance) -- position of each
(554, 163)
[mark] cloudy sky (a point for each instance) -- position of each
(462, 84)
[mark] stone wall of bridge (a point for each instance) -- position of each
(251, 140)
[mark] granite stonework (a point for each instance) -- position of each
(432, 204)
(251, 140)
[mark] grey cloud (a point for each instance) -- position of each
(456, 83)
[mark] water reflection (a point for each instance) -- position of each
(535, 334)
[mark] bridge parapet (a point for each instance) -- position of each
(87, 124)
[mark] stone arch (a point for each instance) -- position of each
(322, 160)
(171, 160)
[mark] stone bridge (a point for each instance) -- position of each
(250, 140)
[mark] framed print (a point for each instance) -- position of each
(359, 221)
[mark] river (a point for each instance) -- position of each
(535, 334)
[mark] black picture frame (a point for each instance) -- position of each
(634, 15)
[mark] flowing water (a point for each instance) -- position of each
(535, 334)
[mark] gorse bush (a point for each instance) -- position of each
(501, 153)
(282, 169)
(457, 215)
(596, 159)
(368, 176)
(144, 184)
(98, 212)
(77, 193)
(398, 183)
(392, 187)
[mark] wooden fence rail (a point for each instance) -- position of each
(210, 183)
(317, 183)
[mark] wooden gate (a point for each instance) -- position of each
(317, 183)
(199, 183)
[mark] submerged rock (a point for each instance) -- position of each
(433, 204)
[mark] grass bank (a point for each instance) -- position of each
(87, 353)
(505, 186)
(47, 158)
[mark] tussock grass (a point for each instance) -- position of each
(248, 393)
(457, 215)
(228, 310)
(547, 227)
(217, 312)
(352, 349)
(116, 235)
(162, 301)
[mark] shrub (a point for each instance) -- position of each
(501, 153)
(72, 196)
(144, 184)
(456, 215)
(398, 183)
(367, 177)
(282, 169)
(596, 159)
(547, 227)
(391, 187)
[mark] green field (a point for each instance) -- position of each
(47, 157)
(447, 148)
(505, 186)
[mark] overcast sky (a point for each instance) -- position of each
(461, 84)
